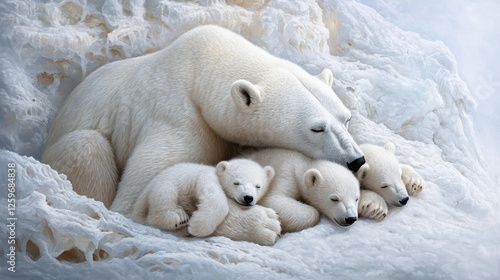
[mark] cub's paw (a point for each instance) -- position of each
(169, 220)
(413, 181)
(272, 222)
(271, 214)
(372, 205)
(256, 224)
(267, 237)
(270, 228)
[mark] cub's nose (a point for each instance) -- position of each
(350, 220)
(248, 199)
(356, 164)
(404, 200)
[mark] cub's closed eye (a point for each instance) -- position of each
(317, 130)
(334, 199)
(257, 186)
(383, 187)
(236, 183)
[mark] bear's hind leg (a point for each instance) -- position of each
(87, 159)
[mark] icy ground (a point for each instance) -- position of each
(401, 88)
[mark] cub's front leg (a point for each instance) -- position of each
(157, 206)
(294, 215)
(256, 224)
(413, 181)
(211, 210)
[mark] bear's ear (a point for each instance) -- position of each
(312, 177)
(389, 146)
(361, 173)
(221, 167)
(269, 172)
(326, 76)
(245, 94)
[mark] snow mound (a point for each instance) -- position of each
(400, 87)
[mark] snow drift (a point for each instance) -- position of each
(400, 87)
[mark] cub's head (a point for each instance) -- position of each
(293, 110)
(334, 191)
(244, 180)
(382, 174)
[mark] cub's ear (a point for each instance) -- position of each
(312, 177)
(326, 76)
(361, 173)
(245, 94)
(222, 167)
(269, 172)
(389, 146)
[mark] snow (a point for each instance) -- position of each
(401, 87)
(470, 30)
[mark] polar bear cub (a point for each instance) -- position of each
(385, 181)
(322, 185)
(196, 195)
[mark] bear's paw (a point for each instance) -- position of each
(270, 229)
(413, 181)
(372, 205)
(172, 220)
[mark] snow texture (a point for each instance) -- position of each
(401, 88)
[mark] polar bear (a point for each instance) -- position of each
(196, 195)
(198, 100)
(385, 181)
(322, 185)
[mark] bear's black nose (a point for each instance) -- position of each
(404, 200)
(356, 164)
(248, 198)
(350, 220)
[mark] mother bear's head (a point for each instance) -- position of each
(288, 108)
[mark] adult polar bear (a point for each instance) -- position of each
(194, 101)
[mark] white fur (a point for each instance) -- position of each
(196, 195)
(194, 101)
(256, 224)
(372, 205)
(383, 175)
(322, 185)
(243, 180)
(248, 221)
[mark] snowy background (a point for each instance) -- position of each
(424, 75)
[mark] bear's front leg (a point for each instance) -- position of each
(413, 181)
(372, 205)
(294, 215)
(256, 224)
(170, 220)
(157, 206)
(212, 209)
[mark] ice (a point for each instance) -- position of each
(401, 88)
